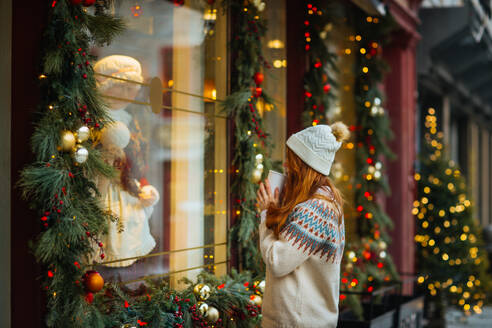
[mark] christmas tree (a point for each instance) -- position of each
(451, 260)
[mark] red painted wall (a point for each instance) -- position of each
(401, 93)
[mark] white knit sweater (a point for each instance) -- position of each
(303, 267)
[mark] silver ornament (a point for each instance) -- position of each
(80, 155)
(261, 286)
(203, 308)
(83, 133)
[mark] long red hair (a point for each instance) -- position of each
(301, 184)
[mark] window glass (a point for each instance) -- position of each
(161, 80)
(276, 77)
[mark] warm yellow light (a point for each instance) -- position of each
(466, 307)
(420, 280)
(427, 190)
(445, 257)
(446, 224)
(463, 237)
(431, 111)
(365, 69)
(358, 37)
(416, 177)
(452, 289)
(348, 51)
(362, 51)
(466, 228)
(442, 213)
(367, 104)
(425, 224)
(432, 242)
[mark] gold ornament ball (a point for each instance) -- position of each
(202, 308)
(83, 133)
(257, 175)
(212, 314)
(256, 300)
(94, 282)
(382, 245)
(67, 140)
(80, 155)
(201, 291)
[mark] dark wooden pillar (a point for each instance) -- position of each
(28, 19)
(401, 93)
(296, 66)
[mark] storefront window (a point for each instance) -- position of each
(276, 77)
(161, 80)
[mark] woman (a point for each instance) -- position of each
(302, 235)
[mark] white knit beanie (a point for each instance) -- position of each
(317, 145)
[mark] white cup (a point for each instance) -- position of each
(276, 180)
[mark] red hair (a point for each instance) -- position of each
(301, 184)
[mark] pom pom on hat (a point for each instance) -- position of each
(340, 131)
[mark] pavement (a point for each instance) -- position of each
(456, 319)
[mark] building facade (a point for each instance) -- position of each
(185, 149)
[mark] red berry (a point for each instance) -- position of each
(102, 256)
(84, 76)
(100, 244)
(88, 233)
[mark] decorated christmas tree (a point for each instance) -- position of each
(451, 259)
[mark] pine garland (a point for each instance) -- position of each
(64, 194)
(65, 197)
(250, 138)
(367, 264)
(452, 262)
(319, 79)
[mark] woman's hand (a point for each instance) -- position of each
(264, 197)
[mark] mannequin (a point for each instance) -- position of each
(125, 196)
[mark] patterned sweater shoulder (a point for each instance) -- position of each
(316, 227)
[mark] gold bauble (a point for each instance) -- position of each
(80, 154)
(67, 140)
(83, 133)
(202, 308)
(257, 175)
(256, 299)
(212, 314)
(94, 282)
(201, 291)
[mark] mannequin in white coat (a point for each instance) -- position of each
(130, 202)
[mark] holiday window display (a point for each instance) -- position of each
(125, 195)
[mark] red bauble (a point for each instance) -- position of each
(258, 92)
(93, 281)
(258, 77)
(76, 2)
(89, 297)
(88, 3)
(326, 88)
